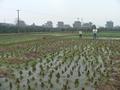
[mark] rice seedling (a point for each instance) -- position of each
(77, 65)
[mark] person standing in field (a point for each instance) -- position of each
(94, 32)
(80, 34)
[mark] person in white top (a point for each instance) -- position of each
(80, 34)
(94, 32)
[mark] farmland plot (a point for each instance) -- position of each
(58, 64)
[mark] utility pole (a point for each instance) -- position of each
(18, 12)
(82, 22)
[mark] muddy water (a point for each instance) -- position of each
(37, 77)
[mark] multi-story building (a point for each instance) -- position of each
(60, 24)
(77, 24)
(49, 24)
(109, 24)
(87, 25)
(67, 26)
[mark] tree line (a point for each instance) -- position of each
(15, 29)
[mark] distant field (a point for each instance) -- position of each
(14, 38)
(105, 34)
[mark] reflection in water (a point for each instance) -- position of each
(70, 69)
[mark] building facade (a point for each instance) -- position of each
(109, 24)
(48, 24)
(60, 24)
(87, 25)
(67, 26)
(77, 24)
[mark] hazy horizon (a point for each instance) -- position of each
(40, 11)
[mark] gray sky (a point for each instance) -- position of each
(40, 11)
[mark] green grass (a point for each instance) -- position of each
(105, 34)
(14, 38)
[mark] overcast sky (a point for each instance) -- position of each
(40, 11)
